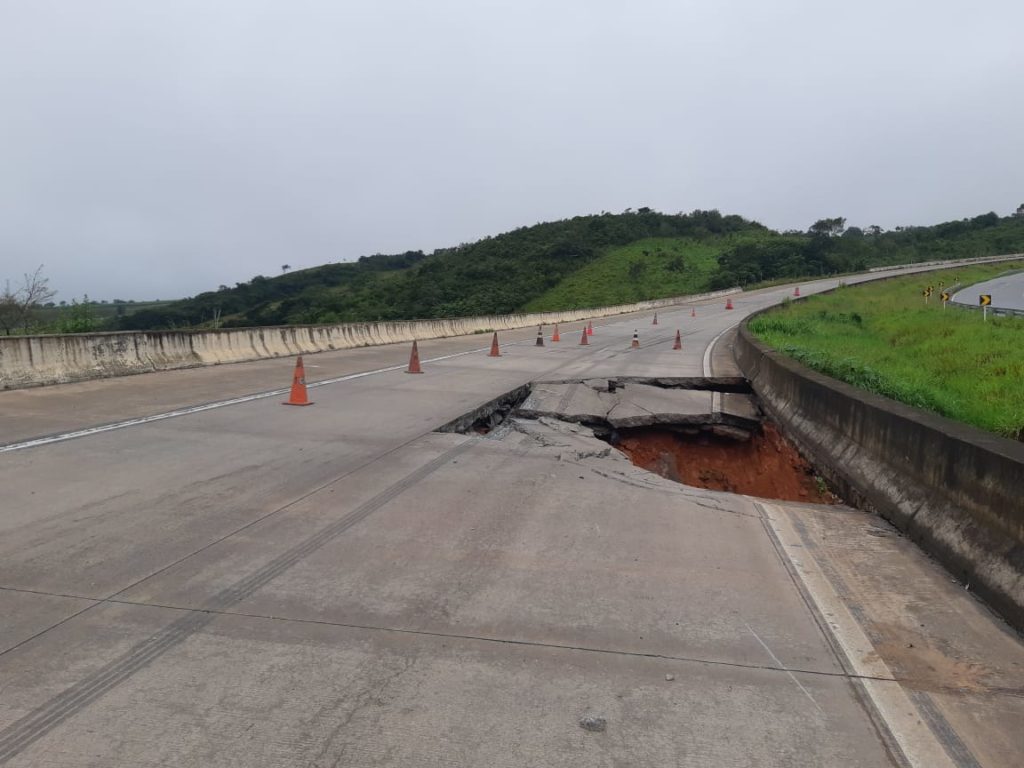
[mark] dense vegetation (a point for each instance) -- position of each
(829, 248)
(580, 262)
(495, 275)
(650, 268)
(884, 338)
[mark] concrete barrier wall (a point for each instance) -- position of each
(955, 490)
(35, 360)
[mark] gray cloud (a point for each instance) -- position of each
(160, 148)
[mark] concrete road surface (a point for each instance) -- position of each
(1007, 292)
(213, 579)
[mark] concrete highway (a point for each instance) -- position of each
(213, 579)
(1007, 292)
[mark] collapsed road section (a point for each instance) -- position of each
(700, 431)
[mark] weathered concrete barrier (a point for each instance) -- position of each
(955, 490)
(27, 361)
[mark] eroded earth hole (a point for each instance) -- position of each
(704, 432)
(764, 465)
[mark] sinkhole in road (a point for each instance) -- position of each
(700, 431)
(764, 465)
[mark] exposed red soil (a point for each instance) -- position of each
(766, 465)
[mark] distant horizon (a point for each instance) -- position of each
(296, 267)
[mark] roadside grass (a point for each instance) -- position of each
(883, 337)
(652, 268)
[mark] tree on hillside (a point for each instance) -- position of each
(828, 227)
(285, 268)
(8, 309)
(18, 307)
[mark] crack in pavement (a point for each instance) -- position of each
(500, 640)
(908, 681)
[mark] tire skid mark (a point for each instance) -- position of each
(42, 720)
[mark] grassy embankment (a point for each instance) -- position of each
(884, 338)
(652, 268)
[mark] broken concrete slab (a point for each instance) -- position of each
(635, 405)
(733, 433)
(576, 401)
(742, 408)
(715, 383)
(641, 405)
(575, 442)
(628, 405)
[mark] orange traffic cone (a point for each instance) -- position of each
(414, 360)
(540, 337)
(298, 395)
(555, 336)
(590, 328)
(728, 303)
(679, 341)
(583, 341)
(796, 291)
(693, 311)
(655, 319)
(494, 346)
(636, 341)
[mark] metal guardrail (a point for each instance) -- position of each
(992, 310)
(950, 262)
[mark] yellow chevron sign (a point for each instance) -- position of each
(985, 299)
(945, 296)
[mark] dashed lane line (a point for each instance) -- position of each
(49, 439)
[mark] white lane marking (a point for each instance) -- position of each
(716, 397)
(783, 667)
(211, 406)
(919, 745)
(711, 346)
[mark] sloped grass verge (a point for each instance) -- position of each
(882, 337)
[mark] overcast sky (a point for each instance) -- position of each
(159, 148)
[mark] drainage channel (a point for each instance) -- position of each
(704, 432)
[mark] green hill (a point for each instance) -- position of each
(651, 268)
(499, 274)
(579, 262)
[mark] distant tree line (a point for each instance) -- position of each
(830, 247)
(491, 276)
(502, 274)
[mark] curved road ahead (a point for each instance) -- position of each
(217, 582)
(1007, 292)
